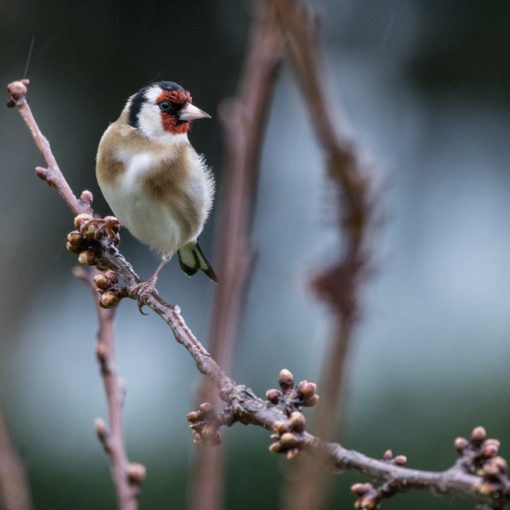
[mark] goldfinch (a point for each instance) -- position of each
(156, 184)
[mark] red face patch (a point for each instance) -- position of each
(175, 96)
(171, 123)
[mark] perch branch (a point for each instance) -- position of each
(247, 408)
(127, 477)
(244, 121)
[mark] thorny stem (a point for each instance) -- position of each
(250, 409)
(127, 477)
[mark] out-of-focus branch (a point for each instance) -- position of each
(127, 477)
(479, 474)
(14, 494)
(339, 285)
(244, 120)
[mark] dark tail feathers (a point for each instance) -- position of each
(191, 259)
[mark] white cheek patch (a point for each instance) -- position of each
(149, 121)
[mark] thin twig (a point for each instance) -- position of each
(246, 407)
(244, 120)
(127, 477)
(14, 493)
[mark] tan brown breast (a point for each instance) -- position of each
(167, 182)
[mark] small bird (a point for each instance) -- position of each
(152, 178)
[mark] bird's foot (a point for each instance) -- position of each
(93, 227)
(142, 292)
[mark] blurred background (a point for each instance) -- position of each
(425, 86)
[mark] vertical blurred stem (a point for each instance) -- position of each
(337, 286)
(14, 494)
(244, 119)
(127, 477)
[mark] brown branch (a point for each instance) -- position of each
(14, 493)
(244, 121)
(244, 406)
(458, 479)
(127, 477)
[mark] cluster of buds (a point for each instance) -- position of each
(80, 243)
(110, 291)
(86, 239)
(205, 424)
(289, 435)
(290, 396)
(93, 228)
(367, 496)
(480, 456)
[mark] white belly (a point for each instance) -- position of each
(151, 222)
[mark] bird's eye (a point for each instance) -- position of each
(165, 105)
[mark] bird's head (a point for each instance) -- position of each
(162, 108)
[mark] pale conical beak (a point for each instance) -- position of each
(189, 112)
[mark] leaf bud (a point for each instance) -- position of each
(478, 435)
(310, 402)
(297, 421)
(400, 460)
(288, 440)
(276, 447)
(86, 196)
(206, 408)
(74, 237)
(101, 429)
(292, 454)
(108, 299)
(281, 426)
(490, 448)
(461, 443)
(102, 282)
(361, 488)
(285, 379)
(273, 395)
(72, 247)
(81, 219)
(306, 390)
(111, 275)
(194, 416)
(136, 472)
(87, 257)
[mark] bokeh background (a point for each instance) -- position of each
(425, 86)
